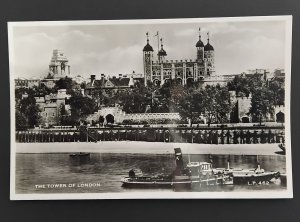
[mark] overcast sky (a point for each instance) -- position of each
(113, 49)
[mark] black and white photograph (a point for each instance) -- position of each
(151, 109)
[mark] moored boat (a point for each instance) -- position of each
(79, 155)
(254, 177)
(250, 176)
(160, 181)
(198, 174)
(183, 177)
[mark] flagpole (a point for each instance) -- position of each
(157, 41)
(157, 34)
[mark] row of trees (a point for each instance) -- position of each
(194, 103)
(211, 103)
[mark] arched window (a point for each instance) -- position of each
(280, 117)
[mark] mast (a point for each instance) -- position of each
(228, 163)
(258, 164)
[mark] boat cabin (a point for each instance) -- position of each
(197, 168)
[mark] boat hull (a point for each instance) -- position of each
(176, 183)
(79, 155)
(255, 178)
(146, 182)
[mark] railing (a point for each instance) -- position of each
(206, 135)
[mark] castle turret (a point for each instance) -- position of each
(209, 62)
(147, 58)
(200, 49)
(161, 53)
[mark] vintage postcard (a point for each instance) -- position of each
(168, 108)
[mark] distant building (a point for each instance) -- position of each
(123, 81)
(51, 105)
(27, 83)
(79, 79)
(279, 73)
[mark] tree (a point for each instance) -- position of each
(262, 104)
(81, 106)
(135, 100)
(30, 110)
(213, 102)
(168, 97)
(188, 107)
(21, 121)
(42, 90)
(277, 92)
(245, 84)
(65, 83)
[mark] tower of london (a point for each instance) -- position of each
(183, 71)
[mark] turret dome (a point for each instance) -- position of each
(148, 48)
(162, 52)
(199, 43)
(208, 47)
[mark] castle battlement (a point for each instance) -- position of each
(156, 62)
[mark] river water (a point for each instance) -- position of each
(100, 173)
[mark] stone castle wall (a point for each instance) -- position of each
(119, 115)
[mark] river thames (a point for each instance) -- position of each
(102, 172)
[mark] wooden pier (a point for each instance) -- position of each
(205, 135)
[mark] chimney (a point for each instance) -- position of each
(179, 159)
(93, 77)
(120, 76)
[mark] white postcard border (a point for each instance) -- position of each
(288, 193)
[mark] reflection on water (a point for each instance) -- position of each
(108, 169)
